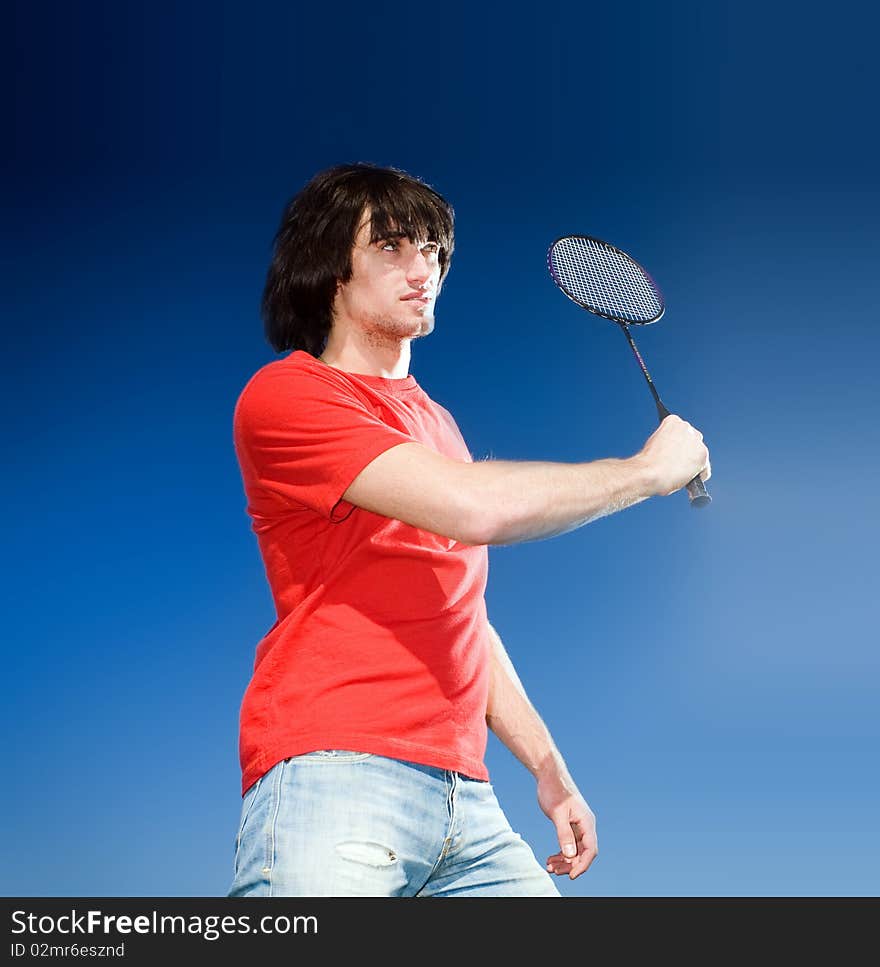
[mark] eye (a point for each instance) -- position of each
(431, 248)
(390, 246)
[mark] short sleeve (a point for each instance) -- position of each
(306, 436)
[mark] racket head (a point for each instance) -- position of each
(604, 280)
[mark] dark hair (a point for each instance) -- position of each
(312, 247)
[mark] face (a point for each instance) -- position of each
(393, 286)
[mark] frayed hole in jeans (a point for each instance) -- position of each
(372, 854)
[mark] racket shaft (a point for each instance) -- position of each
(661, 409)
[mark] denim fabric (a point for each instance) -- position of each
(340, 823)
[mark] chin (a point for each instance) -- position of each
(402, 328)
(415, 328)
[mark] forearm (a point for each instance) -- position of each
(504, 502)
(513, 718)
(531, 501)
(497, 501)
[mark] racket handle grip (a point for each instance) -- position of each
(696, 489)
(697, 493)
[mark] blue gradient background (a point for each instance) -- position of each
(711, 678)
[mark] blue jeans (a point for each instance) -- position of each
(339, 823)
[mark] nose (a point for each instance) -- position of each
(419, 269)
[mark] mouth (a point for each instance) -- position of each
(419, 298)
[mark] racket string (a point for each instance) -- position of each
(602, 278)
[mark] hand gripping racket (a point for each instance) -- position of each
(605, 281)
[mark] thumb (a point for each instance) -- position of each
(566, 838)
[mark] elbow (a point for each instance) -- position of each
(476, 533)
(477, 520)
(464, 508)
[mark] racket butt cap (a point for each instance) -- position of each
(698, 494)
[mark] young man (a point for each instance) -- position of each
(363, 729)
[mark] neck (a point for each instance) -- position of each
(369, 354)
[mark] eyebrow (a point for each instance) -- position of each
(390, 236)
(395, 236)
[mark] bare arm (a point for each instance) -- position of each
(505, 502)
(513, 718)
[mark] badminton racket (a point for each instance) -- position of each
(604, 280)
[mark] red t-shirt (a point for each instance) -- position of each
(381, 643)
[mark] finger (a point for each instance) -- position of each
(584, 862)
(566, 835)
(560, 870)
(559, 862)
(584, 828)
(588, 847)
